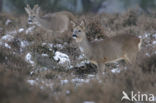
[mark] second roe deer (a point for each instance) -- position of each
(56, 22)
(120, 47)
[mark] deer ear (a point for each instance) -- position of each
(28, 6)
(35, 7)
(27, 10)
(73, 23)
(38, 10)
(82, 23)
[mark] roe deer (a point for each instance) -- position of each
(120, 47)
(55, 22)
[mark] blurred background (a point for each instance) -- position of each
(79, 6)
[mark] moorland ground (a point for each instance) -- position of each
(29, 73)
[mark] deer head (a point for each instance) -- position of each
(33, 14)
(79, 31)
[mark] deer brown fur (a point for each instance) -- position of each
(56, 22)
(108, 50)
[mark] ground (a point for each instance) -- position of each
(37, 68)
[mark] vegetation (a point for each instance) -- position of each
(29, 73)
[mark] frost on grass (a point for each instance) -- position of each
(24, 43)
(154, 42)
(14, 32)
(115, 70)
(77, 81)
(10, 35)
(30, 29)
(82, 63)
(44, 55)
(51, 45)
(7, 37)
(91, 76)
(88, 102)
(31, 82)
(28, 58)
(21, 30)
(7, 45)
(154, 36)
(147, 54)
(146, 35)
(60, 46)
(62, 59)
(64, 82)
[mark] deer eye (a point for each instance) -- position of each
(79, 30)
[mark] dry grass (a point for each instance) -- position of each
(107, 88)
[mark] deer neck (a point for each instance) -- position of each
(42, 22)
(84, 45)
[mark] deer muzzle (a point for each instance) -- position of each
(74, 36)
